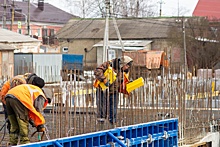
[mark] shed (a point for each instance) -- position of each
(80, 36)
(6, 60)
(47, 66)
(115, 48)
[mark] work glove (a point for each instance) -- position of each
(40, 128)
(32, 123)
(106, 82)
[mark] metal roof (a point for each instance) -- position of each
(12, 37)
(128, 44)
(129, 28)
(5, 47)
(50, 14)
(208, 8)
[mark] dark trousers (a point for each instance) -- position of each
(18, 117)
(107, 105)
(6, 116)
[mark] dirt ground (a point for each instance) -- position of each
(5, 135)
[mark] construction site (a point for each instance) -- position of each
(167, 92)
(167, 95)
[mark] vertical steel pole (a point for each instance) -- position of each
(106, 34)
(28, 26)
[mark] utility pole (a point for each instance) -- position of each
(106, 34)
(12, 14)
(83, 5)
(184, 40)
(178, 11)
(183, 52)
(116, 29)
(28, 25)
(161, 2)
(4, 14)
(137, 8)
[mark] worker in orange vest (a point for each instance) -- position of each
(25, 103)
(17, 80)
(30, 78)
(107, 99)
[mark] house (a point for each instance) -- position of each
(207, 8)
(20, 43)
(11, 42)
(82, 36)
(6, 61)
(45, 19)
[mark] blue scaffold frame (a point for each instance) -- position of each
(162, 133)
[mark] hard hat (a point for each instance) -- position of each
(125, 60)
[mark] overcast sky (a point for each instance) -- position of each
(169, 7)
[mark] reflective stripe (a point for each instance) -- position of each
(32, 91)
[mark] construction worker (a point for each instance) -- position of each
(120, 67)
(30, 78)
(25, 103)
(17, 80)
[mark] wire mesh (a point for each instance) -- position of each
(167, 93)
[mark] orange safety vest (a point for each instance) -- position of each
(26, 94)
(4, 91)
(122, 87)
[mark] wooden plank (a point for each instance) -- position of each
(200, 144)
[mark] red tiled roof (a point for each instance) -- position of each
(208, 8)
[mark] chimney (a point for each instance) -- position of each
(41, 5)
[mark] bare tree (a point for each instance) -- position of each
(121, 8)
(134, 8)
(202, 41)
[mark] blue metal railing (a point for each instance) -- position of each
(162, 133)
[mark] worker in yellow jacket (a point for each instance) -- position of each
(25, 103)
(107, 99)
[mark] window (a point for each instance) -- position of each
(65, 49)
(44, 32)
(19, 31)
(51, 32)
(111, 54)
(39, 32)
